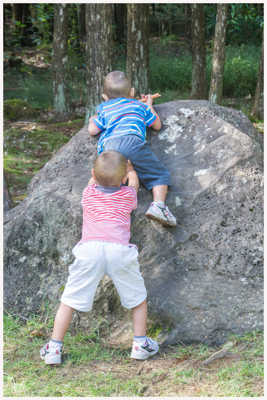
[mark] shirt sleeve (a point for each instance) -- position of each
(100, 118)
(86, 194)
(150, 118)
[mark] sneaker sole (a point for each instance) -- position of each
(162, 221)
(143, 356)
(52, 361)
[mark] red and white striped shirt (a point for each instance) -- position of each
(107, 216)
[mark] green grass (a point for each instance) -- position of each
(28, 146)
(91, 368)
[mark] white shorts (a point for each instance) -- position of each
(94, 260)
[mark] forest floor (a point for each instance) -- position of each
(90, 366)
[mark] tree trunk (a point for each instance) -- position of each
(60, 61)
(99, 45)
(257, 110)
(199, 85)
(120, 16)
(81, 24)
(137, 62)
(216, 84)
(187, 21)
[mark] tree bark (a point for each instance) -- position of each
(187, 22)
(137, 62)
(60, 61)
(120, 16)
(81, 23)
(257, 110)
(99, 45)
(199, 85)
(216, 84)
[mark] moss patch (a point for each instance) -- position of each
(16, 109)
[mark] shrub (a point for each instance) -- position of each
(16, 109)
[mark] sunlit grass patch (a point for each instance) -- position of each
(27, 148)
(91, 368)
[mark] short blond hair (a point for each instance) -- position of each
(110, 168)
(116, 84)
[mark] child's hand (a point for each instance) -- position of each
(145, 98)
(129, 166)
(92, 181)
(105, 97)
(133, 179)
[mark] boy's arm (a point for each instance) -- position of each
(132, 177)
(133, 180)
(149, 101)
(92, 127)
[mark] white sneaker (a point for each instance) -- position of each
(161, 214)
(51, 354)
(141, 351)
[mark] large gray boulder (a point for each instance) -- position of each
(205, 277)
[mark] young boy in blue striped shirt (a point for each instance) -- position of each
(121, 122)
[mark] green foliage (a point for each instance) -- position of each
(42, 20)
(30, 84)
(245, 23)
(240, 71)
(15, 109)
(170, 73)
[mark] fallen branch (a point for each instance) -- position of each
(219, 354)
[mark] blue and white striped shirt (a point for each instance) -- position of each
(120, 117)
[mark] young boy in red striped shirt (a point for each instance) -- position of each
(105, 249)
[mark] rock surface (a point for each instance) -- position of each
(205, 277)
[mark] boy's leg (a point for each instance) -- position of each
(62, 322)
(154, 176)
(160, 193)
(139, 319)
(51, 352)
(143, 346)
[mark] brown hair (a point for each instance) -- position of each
(109, 168)
(116, 84)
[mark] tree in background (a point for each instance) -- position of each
(120, 19)
(81, 23)
(218, 58)
(60, 60)
(199, 85)
(137, 62)
(257, 110)
(99, 42)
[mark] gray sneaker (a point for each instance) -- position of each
(141, 351)
(51, 355)
(161, 214)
